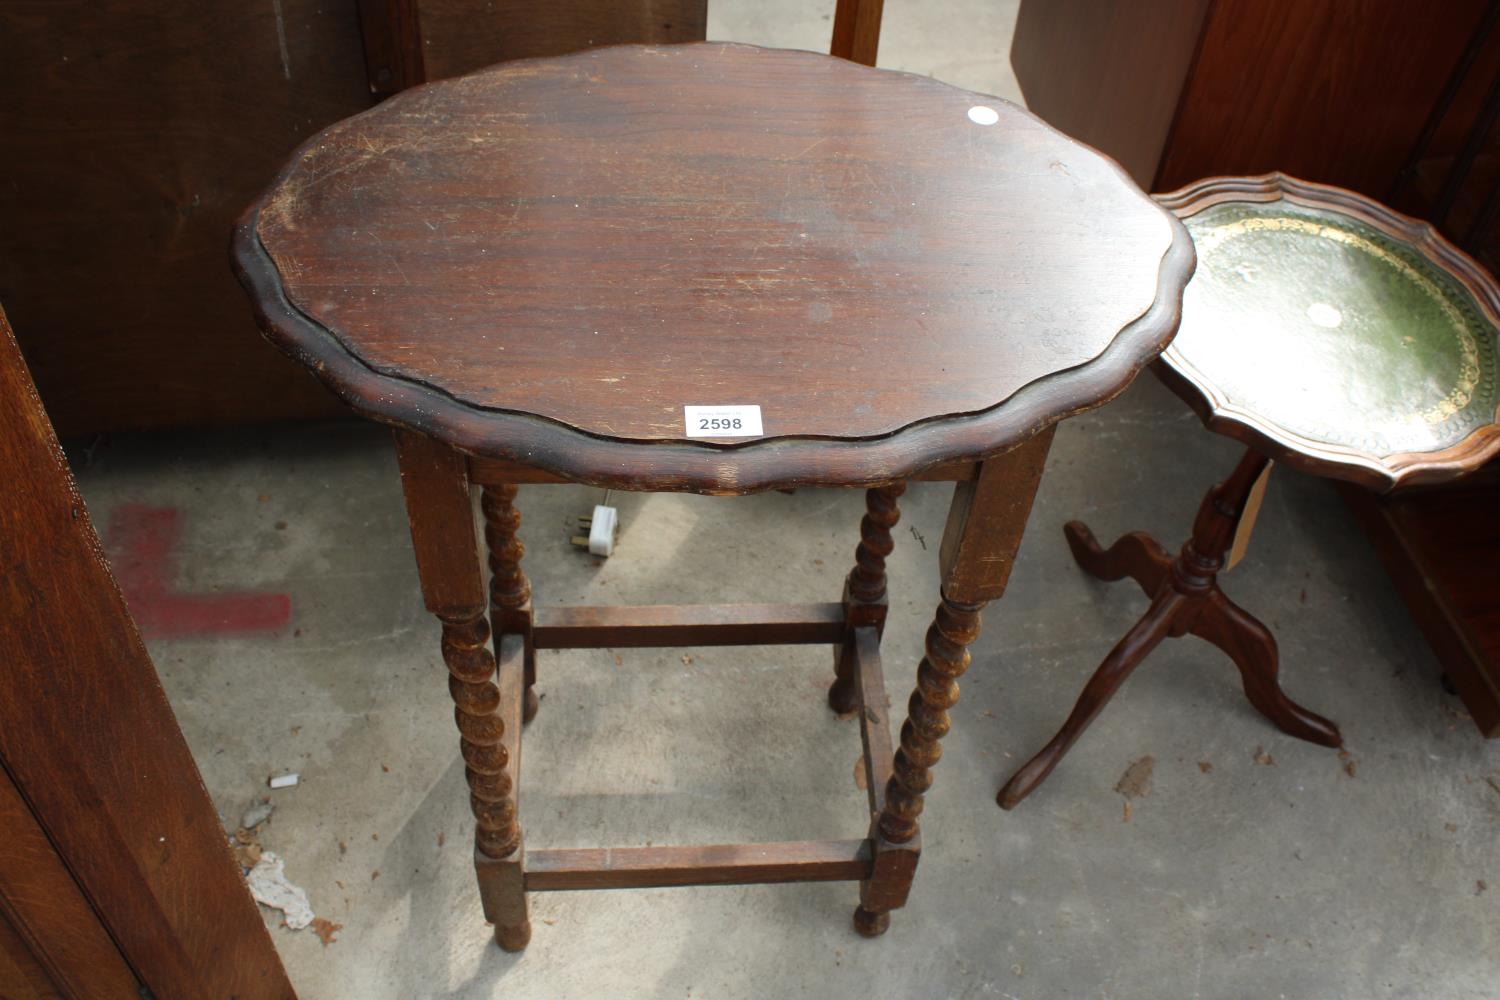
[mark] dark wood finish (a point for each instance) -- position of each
(51, 919)
(133, 135)
(947, 240)
(721, 864)
(502, 888)
(435, 481)
(510, 590)
(392, 33)
(464, 36)
(856, 30)
(1334, 90)
(597, 241)
(22, 976)
(1349, 92)
(864, 591)
(1438, 548)
(1185, 598)
(874, 716)
(89, 741)
(494, 471)
(1441, 548)
(1108, 72)
(987, 518)
(1198, 363)
(983, 533)
(661, 625)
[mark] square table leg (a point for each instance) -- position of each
(985, 524)
(435, 480)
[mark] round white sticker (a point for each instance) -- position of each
(981, 115)
(1324, 314)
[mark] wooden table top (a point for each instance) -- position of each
(548, 260)
(1335, 334)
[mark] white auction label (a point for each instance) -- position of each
(722, 421)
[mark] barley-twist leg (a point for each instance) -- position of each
(510, 590)
(947, 657)
(864, 592)
(867, 579)
(476, 700)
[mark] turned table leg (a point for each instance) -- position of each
(1185, 598)
(510, 590)
(985, 524)
(864, 590)
(435, 481)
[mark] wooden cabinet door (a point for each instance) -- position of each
(101, 808)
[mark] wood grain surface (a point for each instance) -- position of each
(462, 35)
(554, 254)
(1334, 90)
(88, 738)
(132, 135)
(51, 917)
(1108, 72)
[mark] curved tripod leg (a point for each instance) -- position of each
(1253, 649)
(1136, 555)
(1127, 654)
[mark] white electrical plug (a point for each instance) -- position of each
(604, 528)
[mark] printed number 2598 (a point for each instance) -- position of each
(719, 424)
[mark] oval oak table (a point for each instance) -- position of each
(535, 271)
(1328, 333)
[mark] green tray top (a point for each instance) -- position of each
(1333, 330)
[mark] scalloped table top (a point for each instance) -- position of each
(1336, 333)
(548, 260)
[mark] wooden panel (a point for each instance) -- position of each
(660, 625)
(48, 910)
(720, 864)
(987, 519)
(874, 716)
(1326, 90)
(133, 135)
(21, 974)
(856, 30)
(496, 471)
(1441, 547)
(392, 35)
(88, 737)
(462, 35)
(1108, 72)
(434, 481)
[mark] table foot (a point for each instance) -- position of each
(1252, 647)
(869, 923)
(1136, 555)
(1118, 665)
(1186, 598)
(513, 938)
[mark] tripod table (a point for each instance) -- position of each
(1327, 332)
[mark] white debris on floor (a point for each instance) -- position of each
(269, 885)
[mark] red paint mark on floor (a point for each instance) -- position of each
(142, 544)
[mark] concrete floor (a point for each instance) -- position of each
(1292, 879)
